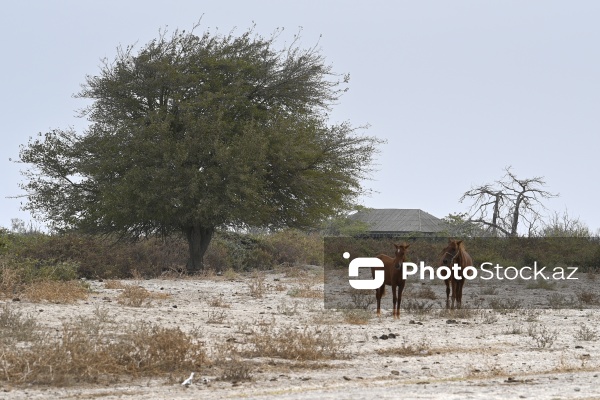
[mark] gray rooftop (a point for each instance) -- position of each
(395, 220)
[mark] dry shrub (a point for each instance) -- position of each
(302, 344)
(305, 291)
(103, 257)
(114, 284)
(228, 358)
(586, 333)
(10, 281)
(587, 297)
(406, 349)
(425, 292)
(257, 285)
(295, 247)
(216, 317)
(418, 307)
(56, 291)
(217, 301)
(143, 350)
(216, 256)
(15, 327)
(357, 316)
(137, 296)
(542, 336)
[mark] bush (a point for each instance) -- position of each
(96, 256)
(295, 247)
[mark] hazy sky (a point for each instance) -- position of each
(460, 89)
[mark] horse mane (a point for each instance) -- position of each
(462, 254)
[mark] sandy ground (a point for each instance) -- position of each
(488, 354)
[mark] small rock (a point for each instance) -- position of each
(392, 336)
(451, 321)
(383, 337)
(412, 322)
(306, 378)
(375, 337)
(174, 305)
(579, 347)
(577, 389)
(394, 372)
(346, 378)
(16, 299)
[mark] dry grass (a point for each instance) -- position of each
(306, 291)
(257, 285)
(78, 356)
(406, 349)
(10, 280)
(587, 297)
(586, 333)
(56, 291)
(280, 287)
(230, 274)
(357, 316)
(216, 317)
(293, 343)
(114, 284)
(15, 327)
(217, 301)
(425, 292)
(542, 335)
(137, 296)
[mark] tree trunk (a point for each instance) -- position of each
(198, 238)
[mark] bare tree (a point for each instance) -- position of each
(508, 203)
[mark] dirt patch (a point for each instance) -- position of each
(259, 341)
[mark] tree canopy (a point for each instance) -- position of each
(195, 132)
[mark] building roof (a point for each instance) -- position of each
(395, 220)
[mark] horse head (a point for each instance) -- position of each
(451, 251)
(401, 250)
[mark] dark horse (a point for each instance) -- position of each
(455, 253)
(392, 268)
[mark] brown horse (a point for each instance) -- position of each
(455, 253)
(392, 268)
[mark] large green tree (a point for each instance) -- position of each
(195, 132)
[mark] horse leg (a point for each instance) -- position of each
(459, 293)
(447, 282)
(395, 299)
(400, 290)
(378, 297)
(454, 290)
